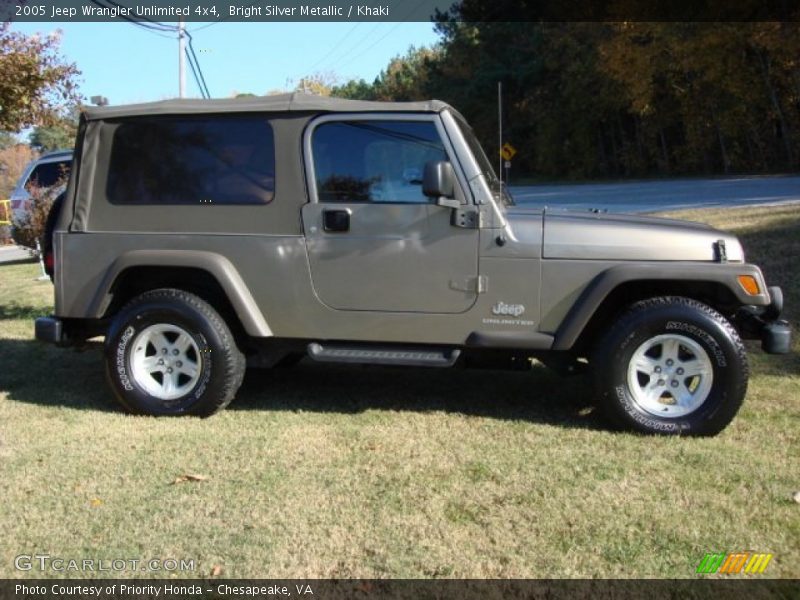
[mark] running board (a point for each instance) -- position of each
(386, 355)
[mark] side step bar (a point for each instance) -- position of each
(384, 355)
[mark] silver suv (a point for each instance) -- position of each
(202, 236)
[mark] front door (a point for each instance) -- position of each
(375, 242)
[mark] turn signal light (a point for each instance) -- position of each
(749, 284)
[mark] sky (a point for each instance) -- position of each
(129, 64)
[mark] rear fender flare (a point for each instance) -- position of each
(217, 266)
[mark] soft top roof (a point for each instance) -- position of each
(297, 101)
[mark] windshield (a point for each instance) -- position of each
(499, 191)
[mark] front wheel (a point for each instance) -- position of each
(170, 353)
(671, 365)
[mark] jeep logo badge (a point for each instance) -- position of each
(514, 310)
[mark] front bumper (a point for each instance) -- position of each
(765, 324)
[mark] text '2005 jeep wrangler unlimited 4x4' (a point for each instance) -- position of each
(200, 235)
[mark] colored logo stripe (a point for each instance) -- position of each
(733, 563)
(757, 563)
(710, 563)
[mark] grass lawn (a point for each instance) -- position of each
(342, 471)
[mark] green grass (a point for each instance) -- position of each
(336, 471)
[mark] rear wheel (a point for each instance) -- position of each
(170, 353)
(47, 240)
(671, 365)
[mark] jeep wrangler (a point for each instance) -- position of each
(202, 236)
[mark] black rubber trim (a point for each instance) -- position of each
(510, 339)
(49, 330)
(776, 338)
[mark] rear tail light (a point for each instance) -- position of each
(49, 263)
(15, 204)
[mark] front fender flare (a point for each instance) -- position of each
(603, 284)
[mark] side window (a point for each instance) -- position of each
(47, 175)
(192, 160)
(374, 161)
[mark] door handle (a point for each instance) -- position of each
(336, 219)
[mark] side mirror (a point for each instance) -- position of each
(438, 181)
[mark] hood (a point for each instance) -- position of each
(602, 236)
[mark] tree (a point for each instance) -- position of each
(30, 226)
(36, 82)
(61, 134)
(603, 99)
(406, 77)
(319, 84)
(354, 90)
(13, 160)
(7, 140)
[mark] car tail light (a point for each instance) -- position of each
(15, 204)
(49, 263)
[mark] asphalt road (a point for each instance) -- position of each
(654, 196)
(13, 254)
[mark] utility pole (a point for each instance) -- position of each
(500, 130)
(181, 59)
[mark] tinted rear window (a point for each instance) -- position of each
(48, 174)
(190, 160)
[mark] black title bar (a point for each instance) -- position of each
(398, 10)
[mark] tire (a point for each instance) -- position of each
(49, 227)
(168, 352)
(671, 365)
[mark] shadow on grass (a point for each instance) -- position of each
(22, 311)
(44, 375)
(37, 373)
(536, 396)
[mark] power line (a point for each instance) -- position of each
(335, 47)
(358, 43)
(210, 24)
(161, 29)
(146, 26)
(194, 73)
(371, 46)
(384, 36)
(155, 24)
(197, 63)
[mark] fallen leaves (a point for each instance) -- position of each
(189, 477)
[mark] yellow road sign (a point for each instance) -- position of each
(507, 151)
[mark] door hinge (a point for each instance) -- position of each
(478, 285)
(720, 252)
(466, 218)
